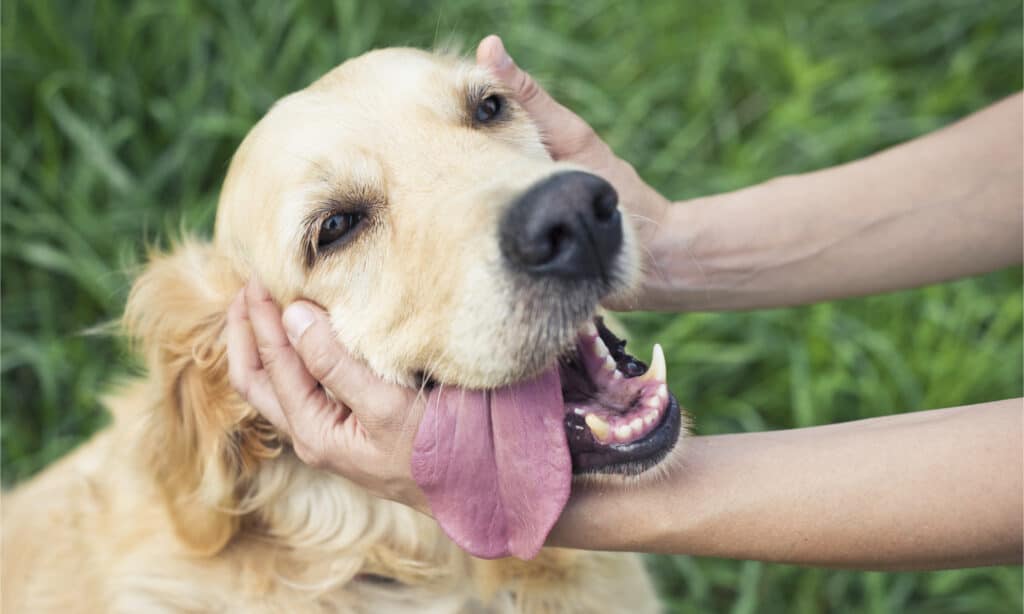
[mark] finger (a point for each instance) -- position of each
(302, 401)
(492, 54)
(347, 378)
(245, 371)
(566, 131)
(243, 356)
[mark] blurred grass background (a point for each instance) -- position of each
(119, 119)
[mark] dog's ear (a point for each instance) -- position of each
(202, 442)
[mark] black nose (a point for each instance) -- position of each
(567, 225)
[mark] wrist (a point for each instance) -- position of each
(664, 513)
(675, 277)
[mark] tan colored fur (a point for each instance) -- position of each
(189, 501)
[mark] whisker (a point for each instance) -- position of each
(705, 279)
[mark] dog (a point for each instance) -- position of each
(408, 194)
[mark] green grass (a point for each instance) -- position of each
(119, 118)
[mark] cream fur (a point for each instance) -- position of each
(189, 501)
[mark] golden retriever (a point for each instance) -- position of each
(411, 197)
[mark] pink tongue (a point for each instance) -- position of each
(495, 465)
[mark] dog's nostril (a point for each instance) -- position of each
(605, 205)
(547, 246)
(557, 238)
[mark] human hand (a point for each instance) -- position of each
(569, 138)
(339, 415)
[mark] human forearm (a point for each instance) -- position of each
(915, 491)
(943, 206)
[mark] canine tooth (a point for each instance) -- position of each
(656, 372)
(609, 364)
(637, 424)
(598, 427)
(589, 329)
(617, 375)
(624, 432)
(599, 347)
(663, 392)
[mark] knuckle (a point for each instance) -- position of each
(271, 351)
(311, 400)
(583, 134)
(238, 381)
(528, 89)
(307, 454)
(318, 357)
(333, 376)
(269, 355)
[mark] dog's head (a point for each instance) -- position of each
(413, 199)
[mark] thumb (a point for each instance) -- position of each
(350, 380)
(565, 132)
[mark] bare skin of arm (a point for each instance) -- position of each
(941, 207)
(922, 490)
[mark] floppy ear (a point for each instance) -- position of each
(201, 442)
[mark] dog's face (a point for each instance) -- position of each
(390, 192)
(408, 195)
(412, 198)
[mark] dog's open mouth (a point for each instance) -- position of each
(620, 416)
(496, 465)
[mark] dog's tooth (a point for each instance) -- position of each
(637, 424)
(650, 418)
(624, 432)
(617, 375)
(653, 401)
(589, 329)
(663, 392)
(598, 427)
(579, 411)
(609, 364)
(656, 372)
(600, 348)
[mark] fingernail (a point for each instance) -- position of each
(497, 57)
(297, 318)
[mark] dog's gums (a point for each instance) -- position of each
(620, 416)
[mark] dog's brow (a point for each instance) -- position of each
(352, 185)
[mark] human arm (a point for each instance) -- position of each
(923, 490)
(943, 206)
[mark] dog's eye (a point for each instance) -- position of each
(336, 227)
(489, 108)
